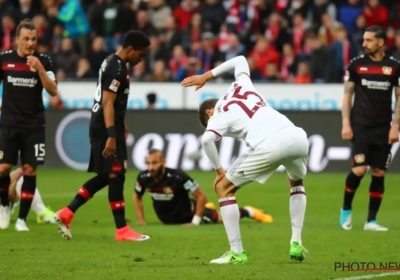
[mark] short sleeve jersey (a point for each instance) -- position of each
(113, 77)
(22, 103)
(374, 82)
(170, 195)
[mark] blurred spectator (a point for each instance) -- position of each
(328, 29)
(318, 9)
(24, 11)
(213, 15)
(184, 12)
(143, 23)
(343, 50)
(84, 71)
(158, 13)
(7, 32)
(298, 31)
(276, 32)
(376, 14)
(139, 71)
(177, 61)
(303, 74)
(322, 61)
(206, 53)
(160, 72)
(193, 67)
(358, 34)
(151, 100)
(254, 72)
(271, 73)
(111, 37)
(97, 54)
(126, 18)
(5, 8)
(396, 48)
(349, 13)
(156, 52)
(170, 36)
(192, 34)
(75, 23)
(288, 62)
(390, 38)
(43, 31)
(263, 54)
(67, 59)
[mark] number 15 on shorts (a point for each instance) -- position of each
(40, 151)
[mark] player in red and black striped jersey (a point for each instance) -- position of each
(368, 123)
(170, 188)
(25, 74)
(107, 133)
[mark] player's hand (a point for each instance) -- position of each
(189, 225)
(126, 132)
(111, 147)
(35, 63)
(394, 134)
(347, 132)
(197, 80)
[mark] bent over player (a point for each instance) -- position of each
(272, 140)
(25, 74)
(169, 189)
(107, 138)
(368, 123)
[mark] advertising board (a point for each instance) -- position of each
(178, 134)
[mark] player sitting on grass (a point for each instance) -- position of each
(169, 189)
(43, 214)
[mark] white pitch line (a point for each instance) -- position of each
(369, 276)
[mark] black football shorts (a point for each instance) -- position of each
(370, 146)
(29, 143)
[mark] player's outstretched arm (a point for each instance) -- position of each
(394, 131)
(239, 63)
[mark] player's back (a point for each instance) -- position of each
(249, 115)
(113, 77)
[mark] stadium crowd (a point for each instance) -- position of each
(299, 41)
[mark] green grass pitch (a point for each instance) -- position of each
(177, 252)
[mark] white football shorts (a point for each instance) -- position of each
(288, 147)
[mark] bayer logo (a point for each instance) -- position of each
(72, 140)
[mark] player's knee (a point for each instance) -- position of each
(5, 169)
(377, 172)
(359, 170)
(28, 170)
(225, 188)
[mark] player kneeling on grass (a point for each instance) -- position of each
(169, 189)
(43, 214)
(272, 140)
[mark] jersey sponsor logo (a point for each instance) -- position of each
(376, 84)
(387, 70)
(22, 82)
(162, 196)
(360, 158)
(114, 85)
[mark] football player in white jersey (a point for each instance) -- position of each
(272, 140)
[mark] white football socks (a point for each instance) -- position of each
(231, 216)
(298, 201)
(37, 202)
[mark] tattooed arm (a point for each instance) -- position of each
(397, 108)
(394, 131)
(347, 133)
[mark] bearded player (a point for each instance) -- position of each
(170, 190)
(272, 140)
